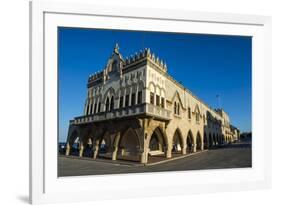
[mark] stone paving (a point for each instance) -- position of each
(237, 155)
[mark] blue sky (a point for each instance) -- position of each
(207, 65)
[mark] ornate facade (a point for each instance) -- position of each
(135, 110)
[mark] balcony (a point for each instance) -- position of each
(141, 110)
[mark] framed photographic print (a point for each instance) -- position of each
(129, 102)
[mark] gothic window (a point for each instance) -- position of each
(197, 117)
(121, 102)
(162, 102)
(189, 113)
(157, 100)
(87, 110)
(107, 104)
(151, 98)
(127, 100)
(139, 97)
(95, 108)
(112, 103)
(91, 108)
(133, 99)
(99, 107)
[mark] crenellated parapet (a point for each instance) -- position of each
(130, 63)
(145, 54)
(95, 78)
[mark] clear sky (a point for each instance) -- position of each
(208, 65)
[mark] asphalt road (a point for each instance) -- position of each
(237, 155)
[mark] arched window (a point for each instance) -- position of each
(197, 117)
(151, 98)
(127, 100)
(163, 102)
(99, 106)
(121, 99)
(87, 110)
(91, 109)
(107, 104)
(140, 97)
(133, 99)
(189, 113)
(111, 103)
(95, 108)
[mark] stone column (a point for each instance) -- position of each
(183, 151)
(169, 152)
(194, 148)
(115, 150)
(81, 150)
(67, 152)
(144, 158)
(96, 149)
(114, 153)
(202, 146)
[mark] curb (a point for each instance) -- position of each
(176, 158)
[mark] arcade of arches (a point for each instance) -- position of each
(136, 140)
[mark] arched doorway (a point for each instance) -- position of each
(129, 146)
(88, 150)
(198, 141)
(157, 143)
(189, 142)
(177, 145)
(105, 146)
(74, 143)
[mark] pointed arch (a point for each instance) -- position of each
(197, 109)
(107, 104)
(158, 142)
(199, 141)
(111, 107)
(189, 141)
(74, 140)
(177, 95)
(177, 144)
(152, 87)
(105, 145)
(128, 145)
(108, 93)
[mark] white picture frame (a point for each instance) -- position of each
(46, 187)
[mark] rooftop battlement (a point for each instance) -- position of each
(145, 54)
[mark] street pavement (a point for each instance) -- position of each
(236, 155)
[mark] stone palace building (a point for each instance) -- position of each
(135, 110)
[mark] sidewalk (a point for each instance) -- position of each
(154, 160)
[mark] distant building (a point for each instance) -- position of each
(135, 109)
